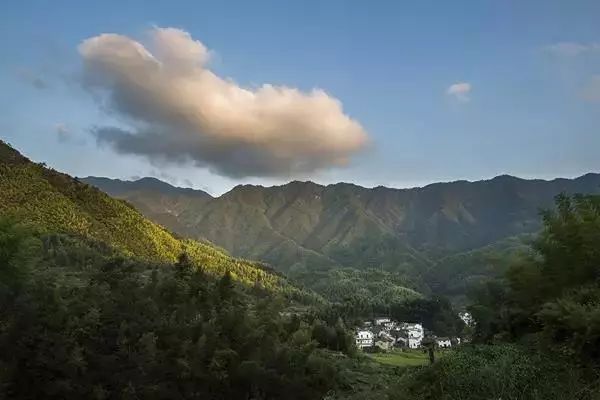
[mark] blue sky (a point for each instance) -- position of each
(527, 101)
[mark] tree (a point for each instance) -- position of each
(225, 286)
(552, 296)
(429, 343)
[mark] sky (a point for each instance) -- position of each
(212, 94)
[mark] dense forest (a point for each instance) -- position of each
(80, 321)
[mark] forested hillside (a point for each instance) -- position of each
(51, 201)
(453, 276)
(98, 302)
(441, 237)
(78, 320)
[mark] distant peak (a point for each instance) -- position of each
(505, 176)
(152, 179)
(148, 183)
(589, 175)
(304, 183)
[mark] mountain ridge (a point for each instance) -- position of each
(128, 182)
(304, 226)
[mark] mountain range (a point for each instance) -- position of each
(305, 229)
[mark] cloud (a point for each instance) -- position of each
(179, 111)
(62, 132)
(66, 135)
(571, 49)
(459, 90)
(164, 176)
(592, 90)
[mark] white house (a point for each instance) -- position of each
(443, 342)
(382, 321)
(415, 334)
(466, 317)
(364, 339)
(389, 325)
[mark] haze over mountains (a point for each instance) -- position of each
(304, 228)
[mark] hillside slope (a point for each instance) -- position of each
(55, 202)
(303, 225)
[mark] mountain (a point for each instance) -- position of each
(303, 224)
(51, 201)
(154, 198)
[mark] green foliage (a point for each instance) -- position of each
(553, 295)
(493, 372)
(16, 247)
(550, 301)
(53, 202)
(85, 322)
(406, 358)
(455, 275)
(569, 245)
(436, 313)
(571, 323)
(359, 293)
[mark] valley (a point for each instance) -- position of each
(160, 315)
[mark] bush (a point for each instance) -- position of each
(493, 372)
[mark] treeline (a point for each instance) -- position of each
(78, 320)
(537, 329)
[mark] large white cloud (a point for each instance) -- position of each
(179, 111)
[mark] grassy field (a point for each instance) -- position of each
(409, 358)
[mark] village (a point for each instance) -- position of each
(383, 334)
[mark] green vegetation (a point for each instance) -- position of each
(80, 321)
(455, 275)
(442, 238)
(363, 293)
(55, 202)
(539, 323)
(97, 302)
(552, 297)
(494, 372)
(407, 358)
